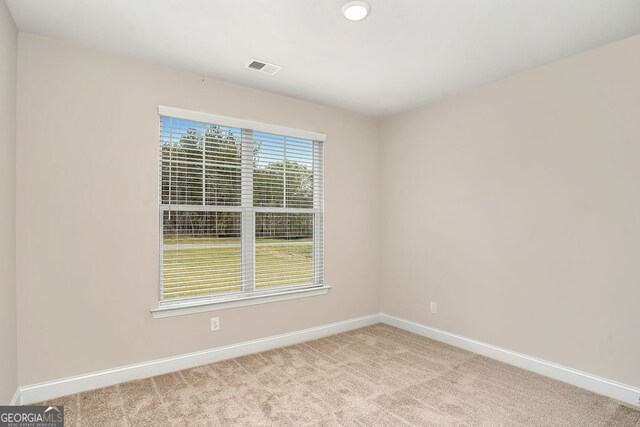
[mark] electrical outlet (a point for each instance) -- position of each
(215, 324)
(433, 307)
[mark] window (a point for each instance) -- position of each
(240, 208)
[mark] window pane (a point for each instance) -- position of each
(283, 171)
(284, 249)
(201, 254)
(191, 149)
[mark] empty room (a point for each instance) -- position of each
(319, 213)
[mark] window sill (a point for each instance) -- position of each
(180, 309)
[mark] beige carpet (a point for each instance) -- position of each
(377, 375)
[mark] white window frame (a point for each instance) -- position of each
(250, 296)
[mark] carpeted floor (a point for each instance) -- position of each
(377, 375)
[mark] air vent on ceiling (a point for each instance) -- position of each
(263, 67)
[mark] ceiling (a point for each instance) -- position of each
(406, 53)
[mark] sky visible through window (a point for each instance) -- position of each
(174, 130)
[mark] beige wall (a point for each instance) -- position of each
(87, 225)
(8, 343)
(516, 207)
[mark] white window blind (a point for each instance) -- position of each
(240, 207)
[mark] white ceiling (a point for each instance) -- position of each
(406, 53)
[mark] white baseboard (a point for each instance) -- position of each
(52, 389)
(16, 398)
(603, 386)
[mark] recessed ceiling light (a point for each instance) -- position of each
(356, 10)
